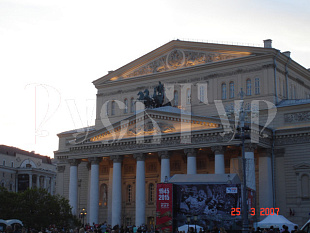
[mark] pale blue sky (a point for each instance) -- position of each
(56, 48)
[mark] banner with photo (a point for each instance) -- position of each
(164, 207)
(212, 203)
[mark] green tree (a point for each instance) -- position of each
(36, 208)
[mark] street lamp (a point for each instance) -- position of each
(195, 220)
(242, 136)
(188, 218)
(83, 214)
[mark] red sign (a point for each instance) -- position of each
(164, 207)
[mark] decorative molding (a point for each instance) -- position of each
(139, 156)
(218, 149)
(116, 158)
(179, 58)
(250, 147)
(191, 152)
(297, 117)
(164, 154)
(74, 162)
(94, 160)
(61, 168)
(288, 139)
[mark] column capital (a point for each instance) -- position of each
(164, 154)
(116, 158)
(190, 152)
(218, 149)
(94, 160)
(74, 162)
(60, 169)
(139, 156)
(266, 152)
(250, 147)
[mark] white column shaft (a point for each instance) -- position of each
(219, 164)
(250, 170)
(73, 189)
(140, 193)
(38, 181)
(94, 194)
(117, 194)
(165, 169)
(30, 181)
(191, 165)
(265, 183)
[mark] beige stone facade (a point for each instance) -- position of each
(201, 82)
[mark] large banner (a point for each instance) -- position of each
(212, 203)
(164, 207)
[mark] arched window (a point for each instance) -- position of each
(188, 96)
(231, 90)
(223, 91)
(248, 87)
(176, 98)
(129, 193)
(257, 89)
(201, 93)
(12, 164)
(126, 106)
(132, 105)
(151, 192)
(113, 108)
(3, 163)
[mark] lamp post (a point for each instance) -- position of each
(242, 136)
(83, 214)
(188, 218)
(195, 220)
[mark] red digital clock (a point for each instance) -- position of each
(262, 211)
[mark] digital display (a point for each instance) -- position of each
(252, 211)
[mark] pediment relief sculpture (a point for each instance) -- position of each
(179, 58)
(151, 128)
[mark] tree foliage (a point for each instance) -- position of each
(36, 208)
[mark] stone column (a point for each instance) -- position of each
(52, 185)
(250, 165)
(280, 185)
(165, 165)
(191, 160)
(219, 159)
(140, 189)
(30, 181)
(265, 180)
(73, 185)
(45, 182)
(94, 190)
(38, 181)
(117, 190)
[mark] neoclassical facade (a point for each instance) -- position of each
(175, 111)
(21, 170)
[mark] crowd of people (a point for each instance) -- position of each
(106, 228)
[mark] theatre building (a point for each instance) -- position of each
(175, 110)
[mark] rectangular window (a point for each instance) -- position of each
(257, 89)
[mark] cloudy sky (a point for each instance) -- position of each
(52, 50)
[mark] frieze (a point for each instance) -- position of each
(178, 59)
(297, 117)
(292, 139)
(156, 143)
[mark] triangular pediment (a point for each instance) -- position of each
(178, 55)
(153, 123)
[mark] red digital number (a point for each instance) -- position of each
(269, 211)
(235, 211)
(252, 211)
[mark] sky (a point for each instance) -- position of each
(52, 50)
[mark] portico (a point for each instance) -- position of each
(136, 165)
